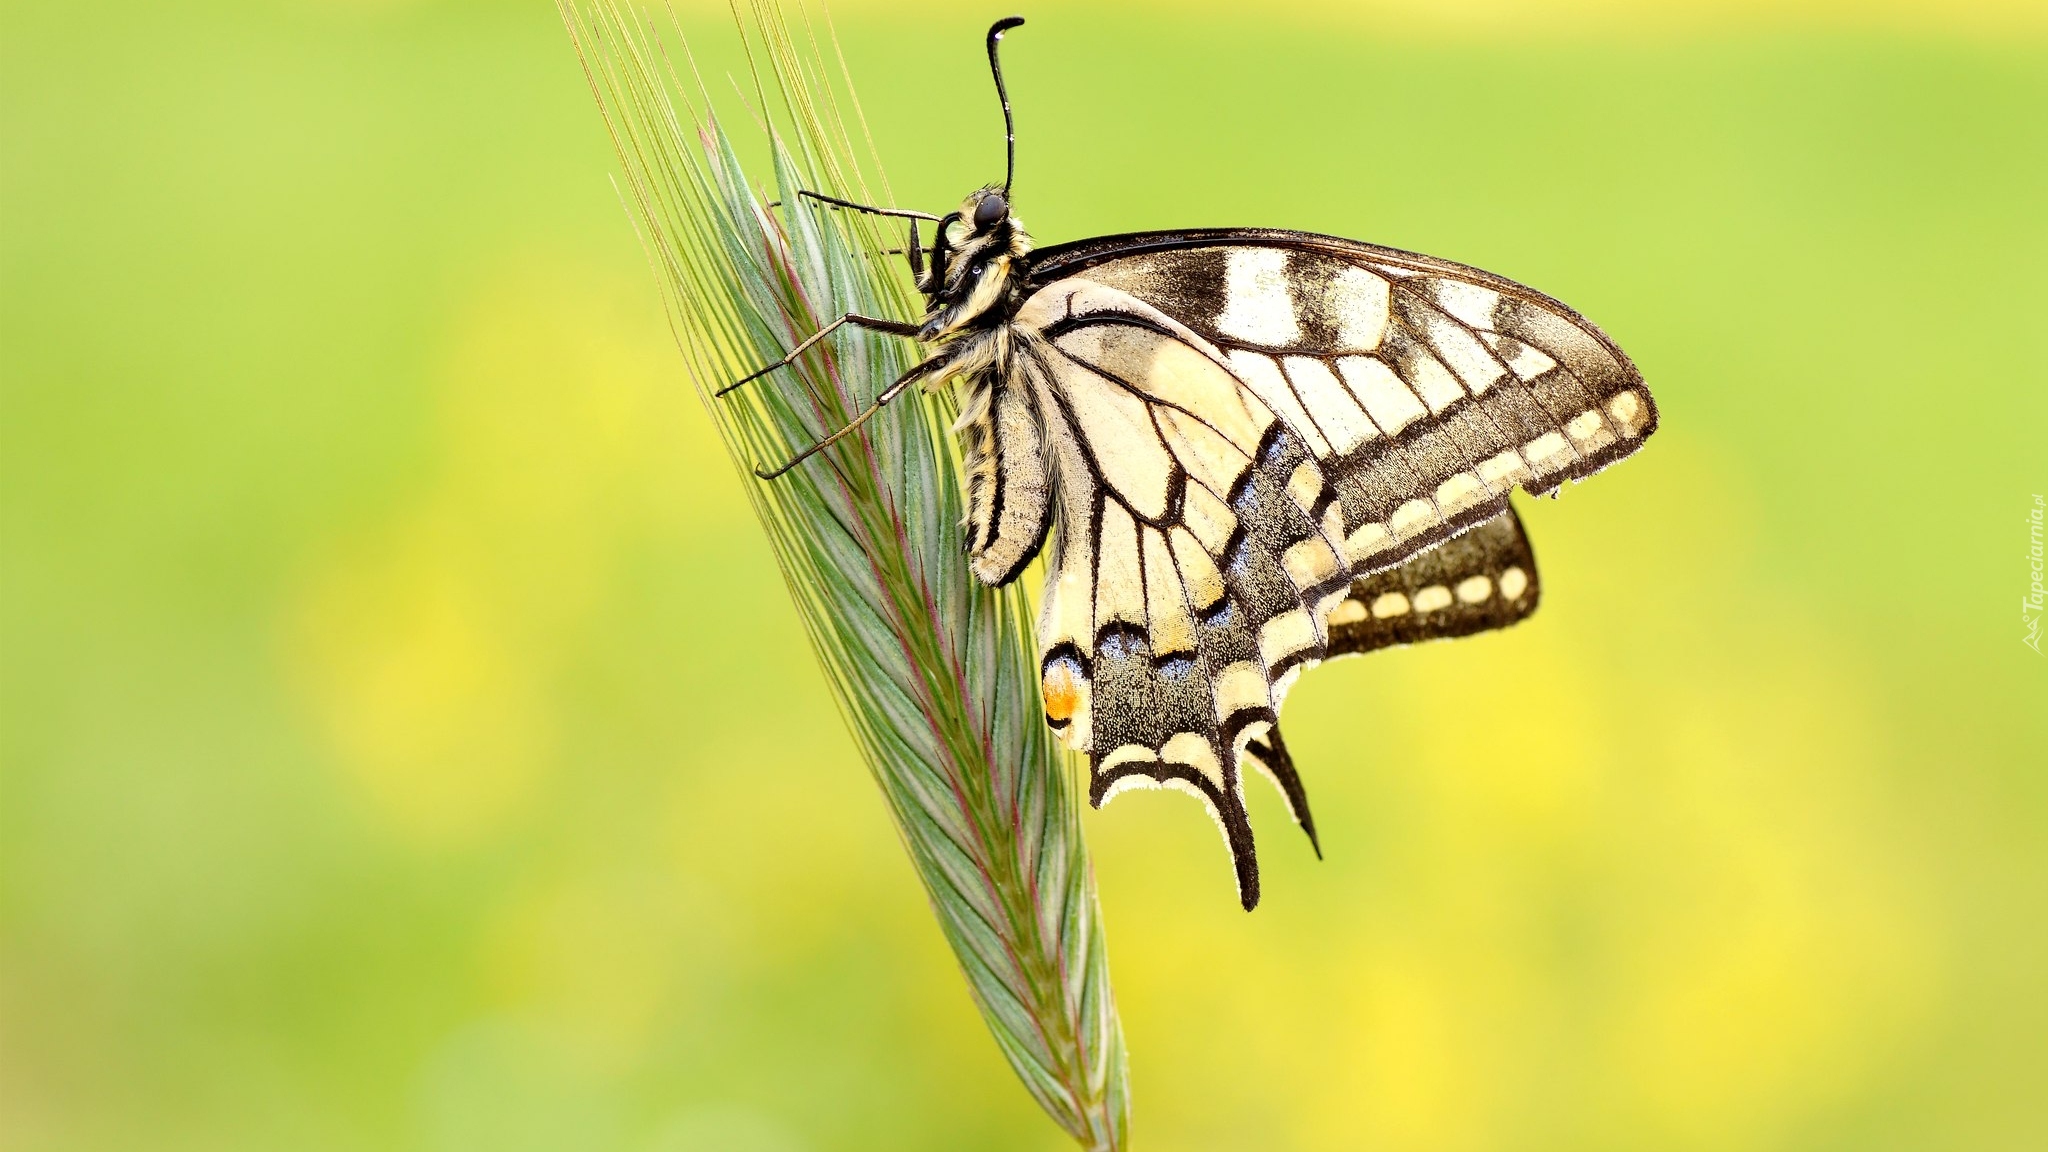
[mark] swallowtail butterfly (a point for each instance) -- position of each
(1251, 450)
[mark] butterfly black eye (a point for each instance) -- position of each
(992, 209)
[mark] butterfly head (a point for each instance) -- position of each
(974, 274)
(977, 257)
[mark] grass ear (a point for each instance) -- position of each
(935, 674)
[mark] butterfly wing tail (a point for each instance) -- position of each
(1269, 755)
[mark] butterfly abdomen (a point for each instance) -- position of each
(1002, 452)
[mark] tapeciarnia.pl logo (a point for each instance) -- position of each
(2030, 607)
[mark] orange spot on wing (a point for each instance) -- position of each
(1062, 693)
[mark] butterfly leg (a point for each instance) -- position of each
(870, 209)
(914, 252)
(893, 327)
(890, 393)
(915, 255)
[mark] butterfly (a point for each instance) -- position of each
(1250, 450)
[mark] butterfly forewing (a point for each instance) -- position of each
(1427, 390)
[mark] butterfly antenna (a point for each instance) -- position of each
(995, 34)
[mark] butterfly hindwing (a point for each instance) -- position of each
(1479, 581)
(1197, 556)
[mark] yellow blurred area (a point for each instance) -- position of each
(429, 645)
(1575, 19)
(1679, 906)
(407, 742)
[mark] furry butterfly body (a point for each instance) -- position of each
(1242, 451)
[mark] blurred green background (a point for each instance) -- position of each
(407, 742)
